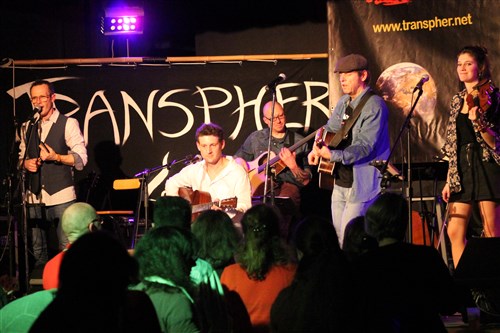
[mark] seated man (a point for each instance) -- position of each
(297, 173)
(218, 175)
(77, 219)
(290, 163)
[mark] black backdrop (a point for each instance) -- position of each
(151, 112)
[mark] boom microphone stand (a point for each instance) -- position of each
(272, 87)
(406, 126)
(270, 180)
(32, 127)
(144, 194)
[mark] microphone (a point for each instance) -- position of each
(420, 83)
(36, 114)
(276, 81)
(190, 159)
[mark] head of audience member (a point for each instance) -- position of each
(354, 74)
(210, 142)
(356, 240)
(93, 287)
(315, 235)
(386, 219)
(279, 117)
(262, 245)
(216, 238)
(172, 211)
(96, 262)
(165, 254)
(79, 219)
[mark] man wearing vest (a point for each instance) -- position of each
(54, 145)
(356, 182)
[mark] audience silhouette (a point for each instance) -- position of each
(77, 220)
(165, 256)
(322, 297)
(175, 211)
(356, 240)
(216, 238)
(263, 268)
(405, 287)
(93, 293)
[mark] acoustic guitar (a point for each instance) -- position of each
(257, 173)
(202, 201)
(325, 167)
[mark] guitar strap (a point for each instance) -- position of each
(291, 139)
(351, 121)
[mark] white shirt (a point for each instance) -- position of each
(76, 144)
(231, 182)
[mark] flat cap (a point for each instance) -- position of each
(351, 63)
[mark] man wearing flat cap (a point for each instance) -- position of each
(356, 182)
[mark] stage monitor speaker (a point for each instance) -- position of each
(479, 266)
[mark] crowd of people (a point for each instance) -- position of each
(234, 269)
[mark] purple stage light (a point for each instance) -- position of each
(122, 20)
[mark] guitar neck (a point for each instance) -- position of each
(202, 207)
(292, 148)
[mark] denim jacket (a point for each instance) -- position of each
(370, 141)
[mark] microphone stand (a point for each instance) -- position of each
(144, 195)
(33, 122)
(406, 125)
(270, 179)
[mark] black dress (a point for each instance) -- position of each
(480, 179)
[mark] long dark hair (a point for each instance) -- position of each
(216, 236)
(262, 247)
(166, 252)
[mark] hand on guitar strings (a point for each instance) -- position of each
(288, 158)
(318, 153)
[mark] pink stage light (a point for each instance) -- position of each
(122, 20)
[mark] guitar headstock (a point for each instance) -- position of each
(319, 138)
(228, 203)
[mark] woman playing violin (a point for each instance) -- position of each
(473, 148)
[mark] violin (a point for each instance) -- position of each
(481, 96)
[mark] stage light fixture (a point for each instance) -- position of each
(122, 21)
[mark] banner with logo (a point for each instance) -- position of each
(139, 117)
(405, 40)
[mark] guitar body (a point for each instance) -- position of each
(334, 139)
(325, 167)
(260, 160)
(257, 167)
(202, 201)
(257, 173)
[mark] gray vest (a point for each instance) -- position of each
(52, 176)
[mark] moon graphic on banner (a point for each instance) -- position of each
(396, 85)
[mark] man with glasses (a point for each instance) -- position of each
(254, 151)
(51, 147)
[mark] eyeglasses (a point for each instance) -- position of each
(276, 118)
(42, 99)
